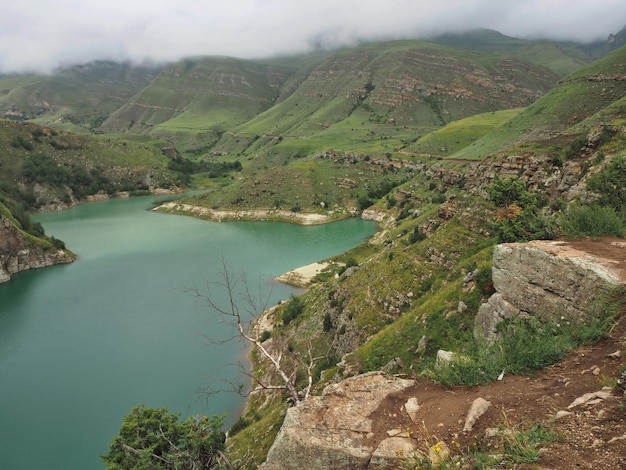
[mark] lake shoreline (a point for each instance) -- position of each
(265, 215)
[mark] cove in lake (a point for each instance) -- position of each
(82, 344)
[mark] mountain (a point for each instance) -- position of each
(452, 146)
(589, 97)
(205, 95)
(202, 102)
(415, 289)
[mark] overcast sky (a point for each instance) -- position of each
(43, 34)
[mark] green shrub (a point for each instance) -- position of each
(506, 191)
(576, 146)
(154, 438)
(293, 309)
(363, 203)
(591, 221)
(609, 184)
(519, 218)
(239, 425)
(416, 236)
(328, 322)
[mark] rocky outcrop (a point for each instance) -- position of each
(334, 430)
(18, 253)
(555, 278)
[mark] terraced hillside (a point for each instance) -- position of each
(579, 102)
(77, 98)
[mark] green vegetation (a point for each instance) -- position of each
(459, 134)
(156, 439)
(592, 221)
(331, 133)
(294, 309)
(609, 184)
(519, 217)
(511, 446)
(575, 100)
(527, 345)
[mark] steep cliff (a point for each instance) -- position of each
(20, 251)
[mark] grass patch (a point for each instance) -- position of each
(527, 345)
(591, 221)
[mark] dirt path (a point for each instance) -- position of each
(593, 436)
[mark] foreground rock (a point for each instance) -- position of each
(332, 430)
(18, 252)
(544, 277)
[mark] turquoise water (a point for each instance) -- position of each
(81, 344)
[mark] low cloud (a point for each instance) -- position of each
(39, 35)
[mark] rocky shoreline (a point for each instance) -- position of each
(273, 215)
(302, 276)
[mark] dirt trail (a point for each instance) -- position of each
(593, 436)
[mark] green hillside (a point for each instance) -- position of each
(459, 134)
(43, 166)
(563, 58)
(358, 98)
(597, 88)
(391, 303)
(399, 130)
(193, 101)
(76, 98)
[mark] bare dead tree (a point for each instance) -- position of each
(241, 307)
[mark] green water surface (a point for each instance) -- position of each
(81, 344)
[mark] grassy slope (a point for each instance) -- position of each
(374, 100)
(376, 97)
(77, 98)
(459, 134)
(576, 98)
(125, 164)
(195, 100)
(562, 59)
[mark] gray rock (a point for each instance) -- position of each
(390, 451)
(542, 276)
(330, 431)
(412, 407)
(479, 407)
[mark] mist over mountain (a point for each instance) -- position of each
(41, 36)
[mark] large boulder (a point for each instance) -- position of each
(556, 278)
(332, 430)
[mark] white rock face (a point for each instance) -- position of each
(543, 277)
(479, 407)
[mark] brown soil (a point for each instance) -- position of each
(592, 437)
(518, 402)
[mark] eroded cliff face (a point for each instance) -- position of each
(18, 253)
(550, 278)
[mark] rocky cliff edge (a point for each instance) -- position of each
(18, 252)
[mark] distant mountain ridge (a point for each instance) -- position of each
(192, 102)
